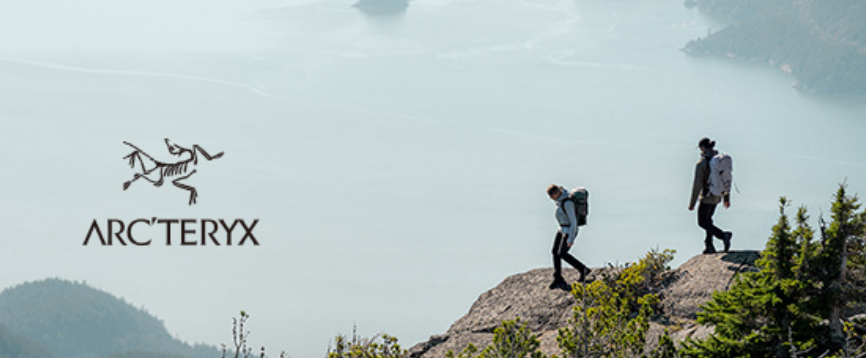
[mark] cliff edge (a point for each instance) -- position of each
(544, 310)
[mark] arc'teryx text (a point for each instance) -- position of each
(192, 232)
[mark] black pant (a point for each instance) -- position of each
(705, 221)
(560, 252)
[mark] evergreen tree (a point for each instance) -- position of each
(379, 346)
(611, 316)
(761, 315)
(833, 268)
(794, 306)
(666, 348)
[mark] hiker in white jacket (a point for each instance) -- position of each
(565, 236)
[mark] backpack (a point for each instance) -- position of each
(580, 197)
(721, 174)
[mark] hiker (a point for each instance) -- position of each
(565, 236)
(708, 200)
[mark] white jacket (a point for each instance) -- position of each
(566, 216)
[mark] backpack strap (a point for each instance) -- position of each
(708, 173)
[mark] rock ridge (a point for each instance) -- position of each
(526, 295)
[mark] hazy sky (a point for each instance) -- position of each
(397, 166)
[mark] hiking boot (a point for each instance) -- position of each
(586, 271)
(558, 282)
(727, 240)
(709, 250)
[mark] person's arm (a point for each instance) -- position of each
(698, 184)
(571, 211)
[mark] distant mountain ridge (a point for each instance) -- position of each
(74, 320)
(820, 43)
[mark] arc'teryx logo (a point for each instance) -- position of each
(181, 169)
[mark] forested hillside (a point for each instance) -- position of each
(15, 346)
(73, 320)
(821, 43)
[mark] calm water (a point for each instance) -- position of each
(398, 165)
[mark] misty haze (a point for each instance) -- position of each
(396, 162)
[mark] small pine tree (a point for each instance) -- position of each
(666, 347)
(611, 316)
(833, 264)
(361, 347)
(512, 339)
(239, 341)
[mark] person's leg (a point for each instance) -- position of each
(705, 221)
(557, 259)
(558, 280)
(573, 261)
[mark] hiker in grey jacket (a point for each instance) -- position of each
(566, 216)
(708, 201)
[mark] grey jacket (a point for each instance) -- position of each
(566, 216)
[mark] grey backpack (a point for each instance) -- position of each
(580, 197)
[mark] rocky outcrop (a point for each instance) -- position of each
(527, 296)
(694, 282)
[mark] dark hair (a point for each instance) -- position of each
(554, 189)
(707, 143)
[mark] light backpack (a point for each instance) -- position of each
(721, 174)
(580, 197)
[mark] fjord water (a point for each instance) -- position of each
(397, 164)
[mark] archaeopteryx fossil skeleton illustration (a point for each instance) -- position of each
(180, 170)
